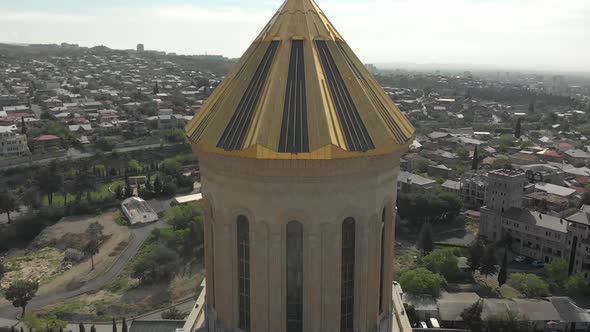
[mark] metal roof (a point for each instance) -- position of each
(299, 92)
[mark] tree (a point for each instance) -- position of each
(517, 130)
(46, 323)
(489, 262)
(502, 163)
(171, 167)
(169, 188)
(423, 208)
(20, 292)
(422, 165)
(158, 185)
(124, 325)
(181, 216)
(81, 328)
(472, 316)
(114, 325)
(158, 263)
(529, 284)
(91, 249)
(503, 275)
(148, 184)
(412, 314)
(2, 270)
(128, 189)
(119, 192)
(463, 154)
(92, 328)
(443, 262)
(95, 235)
(173, 314)
(31, 197)
(8, 203)
(23, 129)
(577, 285)
(134, 167)
(510, 321)
(557, 271)
(475, 162)
(422, 282)
(425, 239)
(476, 252)
(50, 180)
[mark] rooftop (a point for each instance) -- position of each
(536, 218)
(507, 172)
(554, 189)
(299, 92)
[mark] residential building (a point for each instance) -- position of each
(12, 144)
(414, 183)
(473, 189)
(578, 242)
(577, 156)
(453, 187)
(504, 191)
(534, 234)
(46, 143)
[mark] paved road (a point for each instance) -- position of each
(140, 234)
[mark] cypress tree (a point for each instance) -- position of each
(124, 325)
(517, 130)
(425, 239)
(489, 262)
(82, 328)
(475, 163)
(503, 275)
(92, 329)
(114, 325)
(23, 126)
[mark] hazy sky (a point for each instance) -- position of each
(531, 34)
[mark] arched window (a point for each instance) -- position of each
(294, 277)
(347, 277)
(244, 272)
(381, 276)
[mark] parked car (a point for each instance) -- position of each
(538, 264)
(519, 259)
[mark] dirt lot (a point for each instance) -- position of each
(55, 239)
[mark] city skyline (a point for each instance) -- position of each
(524, 34)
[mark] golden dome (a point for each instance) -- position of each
(299, 92)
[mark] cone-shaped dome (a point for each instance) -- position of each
(299, 92)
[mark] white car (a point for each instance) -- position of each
(519, 259)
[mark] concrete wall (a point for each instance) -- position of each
(320, 195)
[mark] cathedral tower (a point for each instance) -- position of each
(299, 149)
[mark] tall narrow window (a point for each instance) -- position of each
(294, 277)
(347, 277)
(244, 272)
(381, 276)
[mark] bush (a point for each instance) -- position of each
(577, 285)
(529, 284)
(422, 282)
(156, 264)
(443, 262)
